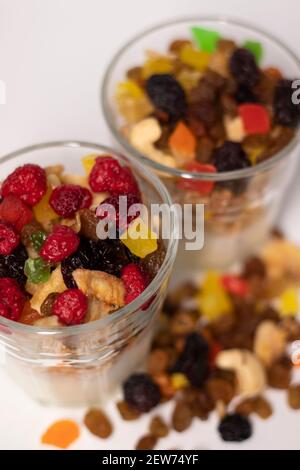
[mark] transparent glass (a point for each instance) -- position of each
(84, 364)
(237, 222)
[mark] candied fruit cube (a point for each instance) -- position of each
(254, 154)
(256, 48)
(205, 39)
(200, 186)
(182, 141)
(132, 102)
(289, 303)
(235, 285)
(43, 212)
(157, 65)
(213, 300)
(234, 128)
(179, 381)
(129, 88)
(139, 238)
(190, 56)
(88, 161)
(255, 117)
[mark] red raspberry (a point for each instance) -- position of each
(135, 281)
(108, 175)
(122, 220)
(15, 211)
(67, 199)
(62, 242)
(28, 182)
(12, 299)
(9, 238)
(70, 306)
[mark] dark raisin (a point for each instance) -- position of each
(141, 392)
(167, 95)
(151, 264)
(286, 112)
(244, 94)
(230, 156)
(13, 265)
(235, 428)
(243, 67)
(81, 259)
(194, 360)
(205, 111)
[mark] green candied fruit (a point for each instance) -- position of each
(37, 239)
(37, 270)
(205, 39)
(256, 48)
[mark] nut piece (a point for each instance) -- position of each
(269, 342)
(250, 374)
(54, 284)
(234, 129)
(104, 287)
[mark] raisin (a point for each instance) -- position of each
(167, 95)
(254, 267)
(279, 373)
(294, 397)
(286, 112)
(204, 150)
(98, 423)
(205, 111)
(158, 427)
(88, 222)
(127, 412)
(147, 442)
(182, 417)
(158, 361)
(141, 392)
(81, 259)
(199, 402)
(13, 265)
(230, 157)
(243, 67)
(47, 305)
(194, 360)
(244, 94)
(28, 230)
(235, 428)
(220, 389)
(183, 322)
(152, 263)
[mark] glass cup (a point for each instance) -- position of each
(244, 205)
(84, 364)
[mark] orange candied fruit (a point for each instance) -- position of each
(182, 141)
(61, 434)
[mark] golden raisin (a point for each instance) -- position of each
(98, 423)
(128, 413)
(147, 442)
(158, 427)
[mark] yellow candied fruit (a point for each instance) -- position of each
(88, 162)
(194, 58)
(43, 212)
(157, 65)
(289, 303)
(179, 381)
(132, 102)
(254, 154)
(188, 78)
(129, 89)
(139, 239)
(213, 300)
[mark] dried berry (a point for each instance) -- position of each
(167, 95)
(199, 402)
(193, 361)
(108, 175)
(127, 412)
(182, 417)
(15, 211)
(98, 423)
(243, 67)
(152, 263)
(141, 392)
(147, 442)
(220, 389)
(254, 267)
(294, 397)
(9, 238)
(235, 428)
(287, 113)
(158, 361)
(28, 182)
(158, 427)
(67, 199)
(13, 265)
(70, 307)
(47, 305)
(12, 299)
(88, 224)
(135, 281)
(279, 374)
(230, 157)
(244, 94)
(60, 244)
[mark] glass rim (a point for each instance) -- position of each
(136, 304)
(176, 172)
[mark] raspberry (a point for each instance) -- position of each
(70, 306)
(134, 280)
(15, 211)
(122, 220)
(62, 242)
(243, 67)
(9, 238)
(67, 199)
(141, 392)
(28, 182)
(108, 175)
(235, 428)
(12, 299)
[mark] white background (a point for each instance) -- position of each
(52, 56)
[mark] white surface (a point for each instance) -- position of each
(53, 53)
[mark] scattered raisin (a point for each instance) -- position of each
(220, 389)
(294, 397)
(158, 427)
(198, 401)
(147, 442)
(235, 428)
(182, 417)
(127, 412)
(98, 423)
(141, 392)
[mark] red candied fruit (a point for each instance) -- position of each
(60, 244)
(135, 281)
(122, 219)
(12, 299)
(200, 186)
(28, 182)
(9, 238)
(67, 199)
(108, 175)
(71, 306)
(235, 285)
(255, 118)
(15, 211)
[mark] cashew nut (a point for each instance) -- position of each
(250, 374)
(269, 342)
(54, 284)
(234, 129)
(75, 179)
(143, 135)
